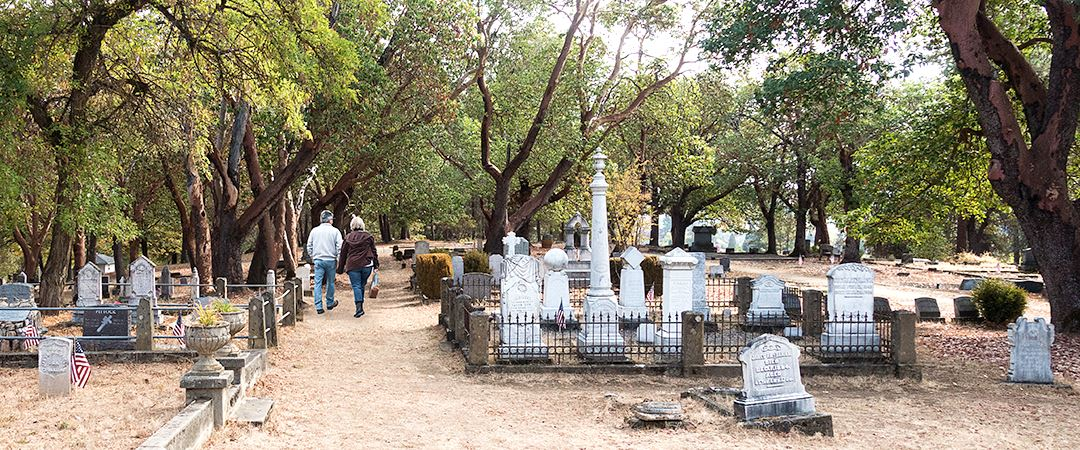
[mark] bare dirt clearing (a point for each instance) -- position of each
(386, 380)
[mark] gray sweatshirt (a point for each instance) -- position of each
(324, 242)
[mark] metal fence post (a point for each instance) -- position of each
(813, 322)
(479, 333)
(144, 326)
(743, 294)
(221, 287)
(270, 318)
(693, 342)
(256, 325)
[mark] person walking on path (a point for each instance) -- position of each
(324, 244)
(358, 258)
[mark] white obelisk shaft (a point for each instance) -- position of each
(600, 275)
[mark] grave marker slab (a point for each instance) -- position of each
(304, 274)
(678, 297)
(166, 282)
(632, 287)
(422, 248)
(107, 322)
(458, 265)
(851, 311)
(495, 262)
(767, 305)
(882, 308)
(1029, 358)
(772, 381)
(556, 286)
(700, 301)
(519, 310)
(964, 310)
(926, 310)
(17, 291)
(54, 366)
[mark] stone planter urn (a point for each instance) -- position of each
(206, 340)
(236, 320)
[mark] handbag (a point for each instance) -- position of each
(374, 292)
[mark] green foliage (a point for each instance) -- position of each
(224, 306)
(430, 270)
(999, 301)
(206, 317)
(476, 261)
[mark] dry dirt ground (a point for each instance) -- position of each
(387, 381)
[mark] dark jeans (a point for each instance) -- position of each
(358, 278)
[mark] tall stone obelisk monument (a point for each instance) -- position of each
(599, 337)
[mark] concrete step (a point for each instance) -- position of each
(254, 411)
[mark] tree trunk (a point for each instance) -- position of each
(118, 259)
(385, 230)
(962, 226)
(679, 223)
(770, 226)
(819, 217)
(52, 278)
(288, 234)
(802, 204)
(78, 250)
(497, 224)
(852, 252)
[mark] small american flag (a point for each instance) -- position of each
(80, 367)
(560, 318)
(651, 296)
(179, 331)
(32, 336)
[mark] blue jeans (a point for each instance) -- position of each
(358, 278)
(324, 272)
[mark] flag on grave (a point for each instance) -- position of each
(80, 367)
(31, 334)
(179, 331)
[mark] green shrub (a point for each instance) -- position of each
(430, 269)
(654, 274)
(476, 261)
(999, 301)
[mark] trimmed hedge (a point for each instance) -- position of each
(654, 274)
(999, 301)
(476, 261)
(430, 269)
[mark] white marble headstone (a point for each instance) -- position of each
(89, 286)
(422, 248)
(143, 278)
(772, 381)
(678, 296)
(700, 300)
(304, 274)
(520, 307)
(767, 303)
(851, 311)
(1029, 358)
(458, 264)
(495, 262)
(632, 286)
(54, 366)
(556, 286)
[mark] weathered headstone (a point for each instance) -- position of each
(1029, 263)
(700, 299)
(882, 308)
(458, 265)
(703, 239)
(1029, 358)
(54, 366)
(105, 283)
(926, 310)
(144, 284)
(632, 287)
(17, 291)
(512, 245)
(556, 286)
(850, 328)
(1032, 286)
(495, 262)
(196, 289)
(422, 248)
(107, 322)
(477, 285)
(716, 271)
(964, 310)
(304, 274)
(725, 262)
(767, 305)
(519, 329)
(969, 283)
(772, 381)
(678, 297)
(88, 290)
(166, 282)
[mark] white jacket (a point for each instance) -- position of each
(324, 242)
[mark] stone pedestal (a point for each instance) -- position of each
(599, 337)
(212, 387)
(246, 367)
(678, 297)
(703, 239)
(556, 287)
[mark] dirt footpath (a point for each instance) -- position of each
(387, 381)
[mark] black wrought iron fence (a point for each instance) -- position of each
(848, 337)
(600, 338)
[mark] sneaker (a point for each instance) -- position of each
(319, 311)
(358, 314)
(331, 306)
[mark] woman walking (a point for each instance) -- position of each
(358, 258)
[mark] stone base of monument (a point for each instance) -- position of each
(657, 415)
(851, 345)
(571, 324)
(212, 387)
(809, 424)
(601, 348)
(548, 314)
(632, 316)
(521, 343)
(792, 405)
(773, 319)
(246, 366)
(520, 353)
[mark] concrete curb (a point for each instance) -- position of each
(189, 429)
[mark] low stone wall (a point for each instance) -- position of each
(189, 429)
(30, 359)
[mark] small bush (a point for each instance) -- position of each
(999, 301)
(430, 269)
(476, 261)
(973, 259)
(654, 274)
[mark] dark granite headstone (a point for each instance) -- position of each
(964, 310)
(970, 283)
(1031, 286)
(792, 304)
(882, 308)
(107, 322)
(926, 310)
(726, 262)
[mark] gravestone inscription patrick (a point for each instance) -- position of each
(107, 322)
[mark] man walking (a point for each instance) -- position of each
(323, 245)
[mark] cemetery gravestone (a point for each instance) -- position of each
(700, 301)
(969, 283)
(17, 291)
(304, 274)
(54, 366)
(767, 305)
(144, 284)
(851, 311)
(926, 310)
(882, 308)
(964, 310)
(458, 265)
(422, 248)
(476, 285)
(556, 287)
(703, 239)
(725, 262)
(495, 262)
(600, 338)
(88, 290)
(793, 308)
(632, 287)
(166, 283)
(678, 297)
(1029, 358)
(576, 233)
(519, 307)
(772, 381)
(107, 322)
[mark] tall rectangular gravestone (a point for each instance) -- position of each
(108, 322)
(632, 287)
(88, 290)
(54, 366)
(304, 274)
(457, 263)
(767, 303)
(556, 287)
(144, 284)
(850, 326)
(678, 297)
(166, 283)
(519, 327)
(495, 262)
(1029, 358)
(700, 299)
(772, 381)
